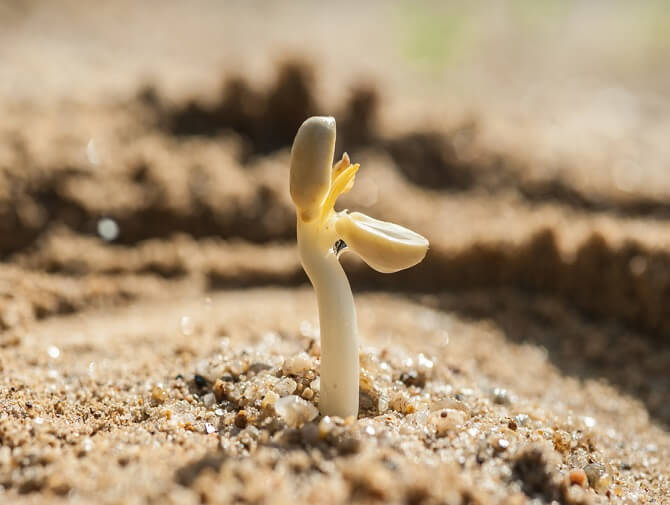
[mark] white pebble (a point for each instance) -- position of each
(326, 425)
(298, 365)
(295, 411)
(285, 387)
(108, 229)
(209, 400)
(446, 421)
(401, 402)
(315, 385)
(521, 419)
(53, 352)
(270, 399)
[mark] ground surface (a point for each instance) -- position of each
(157, 330)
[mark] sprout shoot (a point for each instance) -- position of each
(323, 235)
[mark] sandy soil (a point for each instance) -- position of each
(159, 340)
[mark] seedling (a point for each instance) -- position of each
(323, 235)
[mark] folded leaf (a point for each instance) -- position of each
(386, 247)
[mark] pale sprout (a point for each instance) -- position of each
(322, 235)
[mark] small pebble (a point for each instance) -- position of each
(446, 420)
(575, 494)
(210, 428)
(269, 399)
(238, 367)
(603, 484)
(366, 382)
(326, 425)
(219, 389)
(307, 394)
(401, 402)
(298, 365)
(285, 387)
(521, 419)
(593, 472)
(383, 404)
(295, 411)
(209, 400)
(501, 444)
(562, 441)
(158, 394)
(241, 419)
(578, 477)
(501, 396)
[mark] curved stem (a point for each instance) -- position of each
(337, 319)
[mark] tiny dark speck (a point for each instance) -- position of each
(200, 381)
(339, 246)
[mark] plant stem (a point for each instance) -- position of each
(337, 319)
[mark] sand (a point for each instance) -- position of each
(159, 340)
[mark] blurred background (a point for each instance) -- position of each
(144, 150)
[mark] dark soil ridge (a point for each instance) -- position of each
(624, 283)
(441, 160)
(39, 197)
(45, 205)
